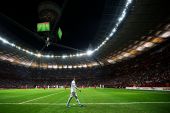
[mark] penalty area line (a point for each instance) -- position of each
(39, 98)
(55, 104)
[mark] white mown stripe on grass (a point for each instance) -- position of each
(114, 103)
(40, 97)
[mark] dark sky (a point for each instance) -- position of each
(79, 20)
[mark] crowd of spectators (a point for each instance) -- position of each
(147, 70)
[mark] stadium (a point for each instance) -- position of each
(113, 56)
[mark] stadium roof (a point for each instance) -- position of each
(125, 30)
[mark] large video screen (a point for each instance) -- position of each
(45, 26)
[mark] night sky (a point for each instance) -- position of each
(79, 21)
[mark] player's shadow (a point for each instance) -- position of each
(77, 106)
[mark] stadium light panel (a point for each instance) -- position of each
(89, 52)
(47, 56)
(74, 66)
(64, 56)
(55, 66)
(111, 61)
(4, 40)
(50, 66)
(107, 38)
(65, 66)
(80, 66)
(78, 55)
(148, 44)
(126, 54)
(70, 67)
(85, 66)
(52, 56)
(165, 34)
(39, 55)
(60, 67)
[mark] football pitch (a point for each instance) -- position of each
(94, 101)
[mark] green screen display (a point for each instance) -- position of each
(59, 33)
(45, 26)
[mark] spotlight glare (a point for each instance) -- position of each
(39, 55)
(89, 52)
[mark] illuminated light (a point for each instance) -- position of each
(111, 34)
(60, 67)
(13, 45)
(148, 38)
(24, 50)
(33, 65)
(148, 44)
(55, 66)
(3, 57)
(75, 66)
(89, 52)
(31, 53)
(89, 65)
(65, 66)
(64, 56)
(133, 52)
(74, 55)
(18, 47)
(85, 66)
(77, 55)
(52, 56)
(126, 54)
(44, 66)
(140, 48)
(25, 63)
(122, 16)
(95, 64)
(27, 51)
(134, 47)
(81, 54)
(157, 40)
(10, 59)
(71, 55)
(114, 30)
(50, 66)
(70, 67)
(4, 41)
(107, 39)
(80, 66)
(47, 56)
(120, 57)
(111, 61)
(165, 34)
(38, 55)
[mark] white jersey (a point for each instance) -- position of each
(73, 86)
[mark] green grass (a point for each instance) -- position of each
(94, 101)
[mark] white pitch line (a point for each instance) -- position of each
(114, 103)
(39, 97)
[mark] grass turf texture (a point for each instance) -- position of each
(94, 101)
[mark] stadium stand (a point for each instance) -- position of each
(148, 70)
